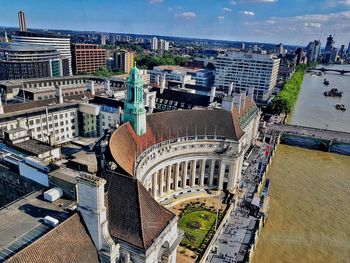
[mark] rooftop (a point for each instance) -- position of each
(182, 69)
(133, 215)
(21, 222)
(32, 146)
(21, 47)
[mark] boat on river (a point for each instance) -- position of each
(333, 93)
(326, 82)
(340, 107)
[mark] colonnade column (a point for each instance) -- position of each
(221, 175)
(193, 172)
(168, 178)
(202, 173)
(232, 175)
(154, 185)
(161, 175)
(184, 174)
(211, 175)
(176, 175)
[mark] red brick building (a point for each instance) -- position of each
(87, 58)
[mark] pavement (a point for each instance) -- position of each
(235, 239)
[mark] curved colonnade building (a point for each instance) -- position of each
(175, 152)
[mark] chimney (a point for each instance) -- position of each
(251, 93)
(107, 85)
(59, 94)
(91, 205)
(243, 99)
(227, 103)
(91, 87)
(182, 81)
(212, 93)
(162, 84)
(237, 102)
(158, 80)
(230, 89)
(1, 106)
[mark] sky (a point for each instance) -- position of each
(294, 22)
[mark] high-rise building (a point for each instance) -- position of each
(123, 60)
(348, 51)
(22, 61)
(59, 42)
(102, 39)
(331, 53)
(247, 71)
(330, 43)
(22, 21)
(154, 43)
(313, 51)
(279, 50)
(342, 49)
(88, 58)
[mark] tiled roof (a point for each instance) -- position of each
(125, 145)
(68, 242)
(133, 215)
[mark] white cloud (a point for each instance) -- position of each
(333, 3)
(155, 1)
(226, 9)
(187, 15)
(232, 2)
(312, 25)
(248, 13)
(271, 22)
(221, 17)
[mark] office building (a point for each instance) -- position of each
(87, 58)
(313, 51)
(59, 42)
(154, 43)
(22, 21)
(21, 61)
(102, 39)
(123, 60)
(279, 50)
(330, 53)
(182, 75)
(247, 71)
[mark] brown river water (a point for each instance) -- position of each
(309, 218)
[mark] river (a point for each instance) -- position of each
(310, 190)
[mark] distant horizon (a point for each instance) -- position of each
(156, 35)
(293, 22)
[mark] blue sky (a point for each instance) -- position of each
(273, 21)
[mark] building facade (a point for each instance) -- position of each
(59, 42)
(123, 60)
(247, 71)
(88, 58)
(313, 51)
(23, 61)
(187, 150)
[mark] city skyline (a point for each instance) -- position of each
(271, 21)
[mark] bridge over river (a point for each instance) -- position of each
(341, 71)
(322, 134)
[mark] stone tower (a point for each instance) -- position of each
(134, 108)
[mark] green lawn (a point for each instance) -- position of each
(203, 220)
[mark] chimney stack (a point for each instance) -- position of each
(230, 89)
(162, 84)
(1, 106)
(237, 100)
(107, 85)
(59, 94)
(212, 94)
(91, 87)
(91, 205)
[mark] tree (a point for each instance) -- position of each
(104, 72)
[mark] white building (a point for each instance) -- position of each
(182, 75)
(154, 43)
(247, 71)
(61, 43)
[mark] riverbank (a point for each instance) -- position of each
(309, 208)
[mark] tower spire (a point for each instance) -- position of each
(134, 107)
(6, 38)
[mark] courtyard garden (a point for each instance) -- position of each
(198, 222)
